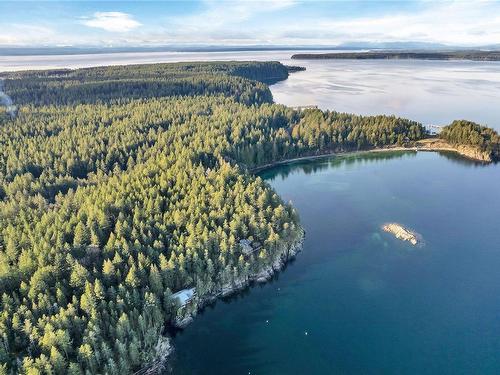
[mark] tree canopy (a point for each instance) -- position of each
(469, 133)
(122, 185)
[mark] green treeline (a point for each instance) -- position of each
(240, 80)
(469, 133)
(319, 130)
(109, 206)
(403, 55)
(313, 132)
(462, 132)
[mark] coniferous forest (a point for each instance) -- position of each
(462, 132)
(122, 185)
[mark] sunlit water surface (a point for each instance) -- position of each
(431, 92)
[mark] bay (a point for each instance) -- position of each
(357, 300)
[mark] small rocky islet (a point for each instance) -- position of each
(402, 233)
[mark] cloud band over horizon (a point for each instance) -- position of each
(245, 22)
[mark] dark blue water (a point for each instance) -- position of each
(356, 300)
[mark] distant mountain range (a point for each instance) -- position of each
(76, 50)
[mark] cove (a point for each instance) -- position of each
(357, 300)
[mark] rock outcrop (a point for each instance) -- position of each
(402, 233)
(163, 350)
(436, 144)
(263, 275)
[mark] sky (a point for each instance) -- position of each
(247, 22)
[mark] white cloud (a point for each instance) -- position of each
(457, 23)
(219, 15)
(112, 21)
(22, 34)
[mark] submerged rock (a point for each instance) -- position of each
(402, 233)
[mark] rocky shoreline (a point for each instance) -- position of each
(165, 348)
(237, 285)
(469, 152)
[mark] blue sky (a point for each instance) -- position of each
(247, 22)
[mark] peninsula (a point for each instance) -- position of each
(127, 201)
(403, 55)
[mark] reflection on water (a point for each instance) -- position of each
(316, 164)
(313, 165)
(456, 158)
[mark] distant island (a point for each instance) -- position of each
(403, 55)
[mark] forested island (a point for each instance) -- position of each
(121, 186)
(403, 55)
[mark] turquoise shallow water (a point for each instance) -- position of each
(356, 300)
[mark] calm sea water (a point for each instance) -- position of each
(356, 300)
(432, 92)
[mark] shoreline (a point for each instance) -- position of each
(416, 148)
(325, 155)
(165, 344)
(262, 276)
